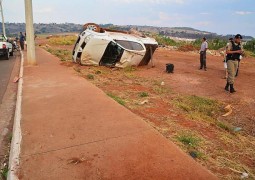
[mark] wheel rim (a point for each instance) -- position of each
(92, 27)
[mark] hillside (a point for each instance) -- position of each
(180, 32)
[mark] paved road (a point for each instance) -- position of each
(8, 70)
(6, 67)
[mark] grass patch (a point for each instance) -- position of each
(192, 144)
(4, 172)
(224, 126)
(129, 72)
(63, 40)
(117, 99)
(249, 54)
(90, 76)
(129, 69)
(196, 154)
(63, 54)
(98, 72)
(199, 108)
(189, 140)
(10, 138)
(143, 94)
(160, 89)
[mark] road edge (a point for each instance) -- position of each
(16, 139)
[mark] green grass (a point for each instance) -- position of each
(4, 172)
(143, 94)
(199, 108)
(63, 40)
(196, 154)
(162, 40)
(158, 88)
(117, 99)
(129, 69)
(249, 54)
(224, 126)
(189, 139)
(90, 76)
(129, 72)
(10, 138)
(63, 54)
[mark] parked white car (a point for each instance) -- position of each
(97, 46)
(6, 48)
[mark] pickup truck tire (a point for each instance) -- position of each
(7, 55)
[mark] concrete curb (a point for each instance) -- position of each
(16, 139)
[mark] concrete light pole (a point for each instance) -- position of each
(2, 13)
(30, 36)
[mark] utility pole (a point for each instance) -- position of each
(2, 13)
(30, 36)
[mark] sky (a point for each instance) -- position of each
(219, 16)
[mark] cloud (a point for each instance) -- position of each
(43, 10)
(243, 13)
(151, 1)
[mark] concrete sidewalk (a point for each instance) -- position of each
(73, 130)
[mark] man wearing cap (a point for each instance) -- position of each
(234, 52)
(204, 47)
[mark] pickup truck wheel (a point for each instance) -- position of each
(92, 27)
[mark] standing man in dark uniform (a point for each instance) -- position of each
(234, 51)
(21, 40)
(204, 47)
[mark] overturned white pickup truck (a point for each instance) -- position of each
(104, 47)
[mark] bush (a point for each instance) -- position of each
(250, 46)
(213, 44)
(163, 40)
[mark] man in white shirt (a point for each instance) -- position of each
(204, 47)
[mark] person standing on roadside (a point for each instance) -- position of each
(234, 52)
(227, 56)
(204, 47)
(21, 40)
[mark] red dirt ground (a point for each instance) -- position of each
(224, 151)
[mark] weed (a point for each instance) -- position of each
(63, 40)
(129, 69)
(195, 154)
(63, 54)
(199, 108)
(143, 94)
(90, 76)
(4, 172)
(98, 72)
(10, 138)
(224, 126)
(117, 99)
(189, 139)
(249, 54)
(160, 89)
(129, 72)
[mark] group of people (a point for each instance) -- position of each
(234, 51)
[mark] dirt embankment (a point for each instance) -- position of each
(187, 106)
